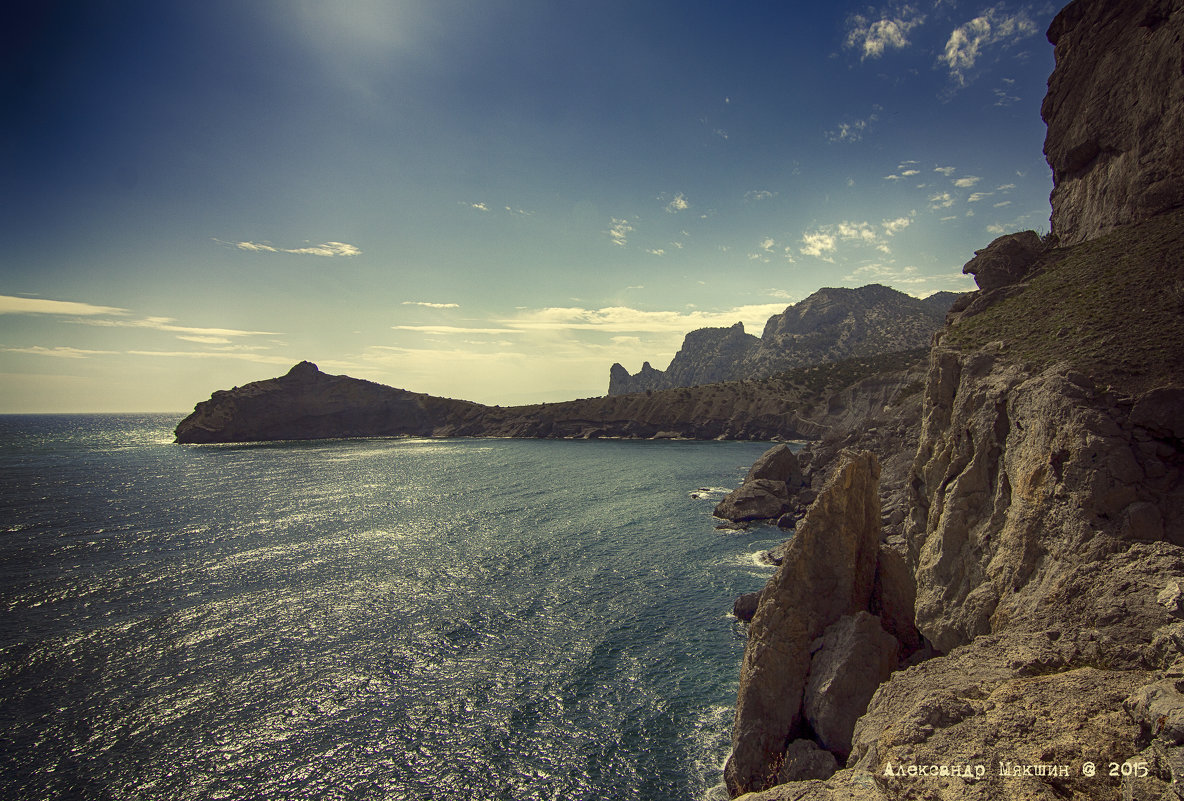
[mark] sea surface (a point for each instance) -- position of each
(366, 618)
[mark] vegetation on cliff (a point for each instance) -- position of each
(1111, 307)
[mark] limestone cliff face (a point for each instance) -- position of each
(830, 325)
(1044, 537)
(1115, 112)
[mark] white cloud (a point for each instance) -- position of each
(889, 32)
(848, 132)
(942, 200)
(451, 329)
(431, 305)
(479, 206)
(946, 171)
(167, 324)
(967, 182)
(59, 352)
(1002, 203)
(619, 231)
(818, 244)
(622, 319)
(968, 42)
(975, 197)
(759, 194)
(329, 249)
(258, 358)
(1005, 187)
(205, 340)
(678, 204)
(823, 241)
(656, 251)
(16, 305)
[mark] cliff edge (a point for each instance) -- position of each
(1043, 539)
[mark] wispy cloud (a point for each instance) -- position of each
(967, 182)
(968, 42)
(619, 231)
(247, 356)
(17, 305)
(204, 340)
(329, 249)
(679, 203)
(946, 171)
(759, 194)
(623, 319)
(850, 131)
(431, 305)
(452, 329)
(169, 324)
(59, 352)
(941, 200)
(906, 169)
(872, 35)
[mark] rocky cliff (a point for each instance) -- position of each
(830, 325)
(1115, 110)
(1042, 543)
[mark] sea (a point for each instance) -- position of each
(365, 618)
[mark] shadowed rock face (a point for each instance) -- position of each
(1115, 112)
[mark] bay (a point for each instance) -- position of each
(371, 618)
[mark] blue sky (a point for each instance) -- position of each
(490, 200)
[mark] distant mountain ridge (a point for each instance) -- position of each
(830, 325)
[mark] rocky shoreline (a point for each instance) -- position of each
(984, 599)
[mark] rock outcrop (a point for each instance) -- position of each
(768, 490)
(828, 326)
(1115, 110)
(828, 574)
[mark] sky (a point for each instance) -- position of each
(491, 200)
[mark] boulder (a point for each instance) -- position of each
(745, 606)
(760, 499)
(828, 573)
(1005, 261)
(778, 463)
(853, 657)
(805, 760)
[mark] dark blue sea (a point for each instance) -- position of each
(364, 619)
